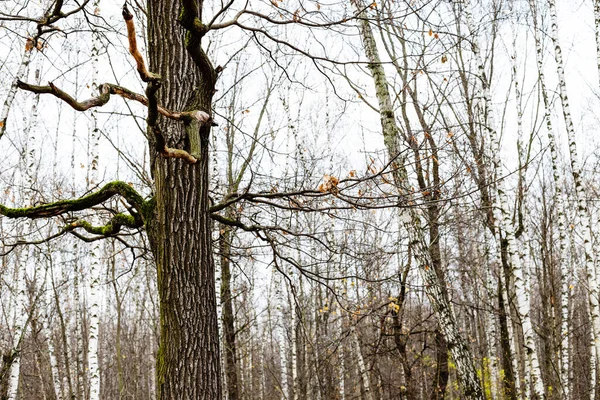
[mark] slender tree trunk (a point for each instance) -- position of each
(10, 97)
(294, 343)
(559, 200)
(411, 221)
(362, 366)
(511, 380)
(597, 26)
(25, 260)
(76, 319)
(119, 328)
(225, 234)
(20, 326)
(441, 370)
(503, 216)
(583, 213)
(47, 329)
(342, 356)
(94, 275)
(284, 387)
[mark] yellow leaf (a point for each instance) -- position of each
(430, 32)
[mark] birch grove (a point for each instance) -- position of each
(299, 200)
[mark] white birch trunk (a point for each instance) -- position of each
(47, 326)
(565, 269)
(94, 310)
(362, 367)
(294, 344)
(25, 259)
(45, 302)
(492, 335)
(282, 340)
(503, 216)
(218, 283)
(593, 369)
(262, 365)
(20, 327)
(411, 221)
(341, 356)
(10, 97)
(597, 25)
(583, 214)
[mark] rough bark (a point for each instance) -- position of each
(179, 226)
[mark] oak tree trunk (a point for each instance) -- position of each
(180, 230)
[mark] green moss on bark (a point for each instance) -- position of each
(82, 203)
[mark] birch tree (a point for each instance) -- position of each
(583, 212)
(411, 221)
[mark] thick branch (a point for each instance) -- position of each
(106, 89)
(65, 206)
(297, 20)
(191, 20)
(84, 105)
(112, 227)
(154, 84)
(161, 143)
(133, 49)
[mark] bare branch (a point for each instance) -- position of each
(106, 89)
(295, 20)
(32, 43)
(150, 101)
(84, 105)
(133, 49)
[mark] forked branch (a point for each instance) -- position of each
(153, 80)
(154, 83)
